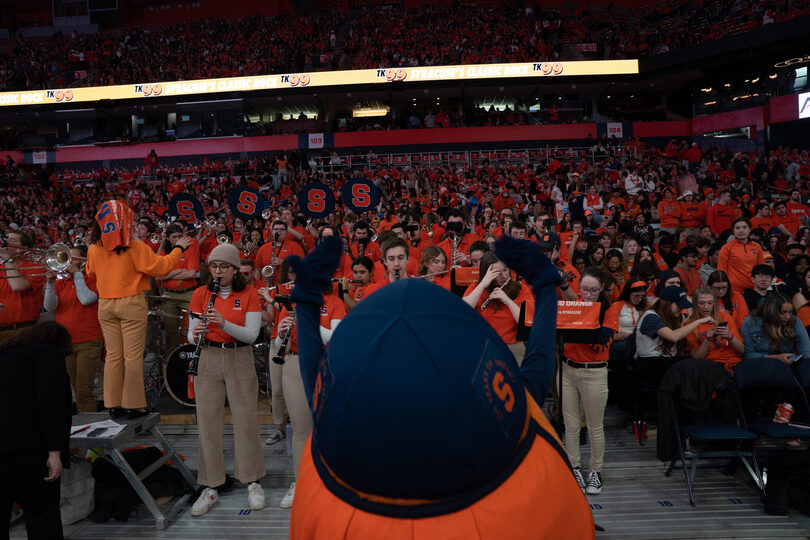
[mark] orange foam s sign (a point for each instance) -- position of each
(577, 315)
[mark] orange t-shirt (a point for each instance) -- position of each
(81, 321)
(232, 309)
(719, 351)
(584, 352)
(739, 307)
(332, 309)
(804, 314)
(499, 316)
(265, 253)
(669, 213)
(22, 307)
(190, 260)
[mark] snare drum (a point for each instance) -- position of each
(174, 373)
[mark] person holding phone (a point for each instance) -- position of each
(774, 331)
(719, 341)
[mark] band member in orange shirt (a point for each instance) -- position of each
(434, 264)
(274, 252)
(75, 302)
(332, 312)
(497, 297)
(395, 258)
(362, 273)
(225, 370)
(178, 285)
(20, 290)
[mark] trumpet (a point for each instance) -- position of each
(56, 258)
(223, 239)
(267, 272)
(428, 230)
(267, 213)
(78, 241)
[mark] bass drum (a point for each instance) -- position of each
(175, 376)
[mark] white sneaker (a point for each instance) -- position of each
(276, 435)
(287, 501)
(255, 496)
(207, 499)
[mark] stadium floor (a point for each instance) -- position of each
(638, 501)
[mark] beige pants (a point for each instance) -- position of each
(173, 317)
(277, 399)
(82, 365)
(123, 323)
(228, 372)
(297, 405)
(591, 387)
(518, 351)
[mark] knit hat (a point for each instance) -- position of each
(225, 253)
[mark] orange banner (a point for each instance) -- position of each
(575, 315)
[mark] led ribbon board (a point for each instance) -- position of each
(202, 87)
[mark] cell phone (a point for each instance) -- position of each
(97, 432)
(795, 358)
(724, 323)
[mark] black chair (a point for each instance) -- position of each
(714, 425)
(771, 374)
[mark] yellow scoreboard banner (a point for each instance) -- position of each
(320, 79)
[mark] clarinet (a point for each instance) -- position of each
(195, 361)
(282, 351)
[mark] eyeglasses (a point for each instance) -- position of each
(591, 290)
(220, 267)
(245, 273)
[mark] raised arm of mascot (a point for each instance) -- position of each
(486, 465)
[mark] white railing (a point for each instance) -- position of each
(469, 158)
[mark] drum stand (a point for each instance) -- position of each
(153, 381)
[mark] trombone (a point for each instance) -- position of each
(56, 258)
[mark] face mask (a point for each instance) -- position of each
(455, 226)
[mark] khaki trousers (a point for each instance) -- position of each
(221, 373)
(123, 323)
(296, 399)
(279, 409)
(591, 387)
(173, 316)
(518, 351)
(82, 365)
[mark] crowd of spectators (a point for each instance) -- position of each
(376, 37)
(696, 253)
(201, 49)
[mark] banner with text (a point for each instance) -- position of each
(202, 87)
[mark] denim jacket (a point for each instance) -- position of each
(757, 344)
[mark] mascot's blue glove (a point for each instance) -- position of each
(313, 273)
(527, 259)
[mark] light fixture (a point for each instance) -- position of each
(753, 81)
(727, 85)
(706, 90)
(370, 112)
(710, 103)
(772, 76)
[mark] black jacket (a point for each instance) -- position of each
(35, 399)
(693, 381)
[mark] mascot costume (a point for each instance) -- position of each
(424, 425)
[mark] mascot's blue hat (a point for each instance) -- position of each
(419, 397)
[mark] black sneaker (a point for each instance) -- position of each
(117, 412)
(594, 486)
(579, 477)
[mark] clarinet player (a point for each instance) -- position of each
(226, 369)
